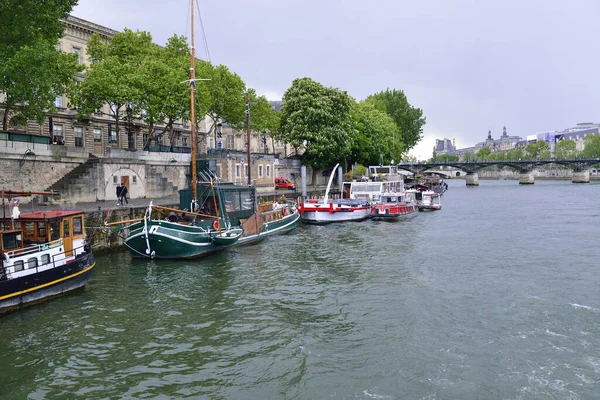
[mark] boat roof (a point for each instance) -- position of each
(43, 215)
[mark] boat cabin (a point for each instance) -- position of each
(238, 201)
(40, 238)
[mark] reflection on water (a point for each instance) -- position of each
(495, 296)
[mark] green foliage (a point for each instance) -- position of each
(408, 119)
(515, 154)
(532, 151)
(591, 147)
(483, 153)
(565, 149)
(29, 22)
(227, 97)
(377, 138)
(319, 120)
(440, 158)
(263, 117)
(32, 71)
(468, 157)
(117, 74)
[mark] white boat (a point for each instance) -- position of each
(326, 210)
(429, 201)
(394, 203)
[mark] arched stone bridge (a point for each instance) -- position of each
(581, 168)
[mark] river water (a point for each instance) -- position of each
(496, 296)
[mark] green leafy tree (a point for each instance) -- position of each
(468, 157)
(532, 151)
(483, 153)
(376, 140)
(263, 117)
(565, 149)
(440, 158)
(591, 147)
(116, 76)
(317, 119)
(167, 94)
(33, 72)
(227, 98)
(515, 154)
(408, 119)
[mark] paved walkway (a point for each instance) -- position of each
(98, 205)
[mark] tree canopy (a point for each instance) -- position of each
(565, 149)
(33, 72)
(376, 139)
(591, 147)
(408, 119)
(317, 119)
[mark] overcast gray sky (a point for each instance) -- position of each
(470, 65)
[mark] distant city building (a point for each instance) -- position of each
(507, 143)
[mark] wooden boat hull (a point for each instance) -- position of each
(31, 289)
(276, 227)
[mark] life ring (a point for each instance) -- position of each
(216, 225)
(283, 211)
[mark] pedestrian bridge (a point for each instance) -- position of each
(580, 166)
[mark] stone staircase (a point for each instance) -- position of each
(157, 184)
(75, 186)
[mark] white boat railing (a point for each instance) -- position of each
(33, 249)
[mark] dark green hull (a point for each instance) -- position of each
(170, 240)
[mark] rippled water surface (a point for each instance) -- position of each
(496, 296)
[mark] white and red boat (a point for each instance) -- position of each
(394, 203)
(353, 207)
(429, 201)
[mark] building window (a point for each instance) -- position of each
(184, 141)
(112, 134)
(78, 136)
(211, 144)
(260, 171)
(245, 170)
(230, 142)
(57, 133)
(268, 171)
(58, 102)
(77, 51)
(238, 171)
(97, 135)
(219, 171)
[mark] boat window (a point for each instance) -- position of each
(18, 266)
(41, 229)
(54, 231)
(78, 226)
(66, 228)
(232, 201)
(45, 259)
(32, 263)
(29, 229)
(11, 240)
(247, 199)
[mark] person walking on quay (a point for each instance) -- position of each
(119, 188)
(123, 198)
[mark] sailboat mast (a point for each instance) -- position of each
(248, 138)
(192, 108)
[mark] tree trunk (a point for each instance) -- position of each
(5, 118)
